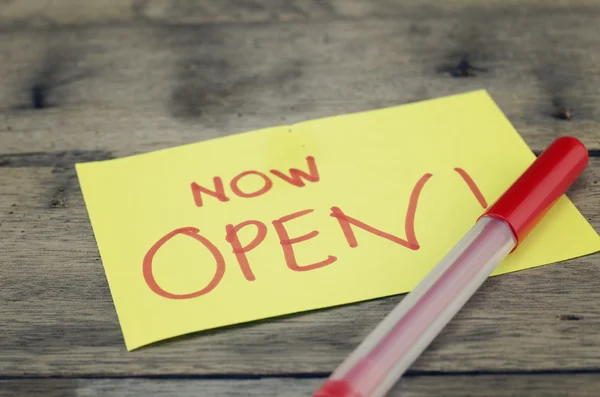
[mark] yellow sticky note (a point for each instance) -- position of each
(300, 217)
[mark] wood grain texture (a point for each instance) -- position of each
(36, 14)
(135, 87)
(114, 78)
(552, 385)
(58, 317)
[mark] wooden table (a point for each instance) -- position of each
(84, 81)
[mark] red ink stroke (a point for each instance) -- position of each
(239, 251)
(296, 175)
(268, 184)
(409, 224)
(286, 243)
(218, 193)
(193, 233)
(473, 186)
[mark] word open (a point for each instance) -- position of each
(346, 222)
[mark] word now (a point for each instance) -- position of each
(295, 178)
(347, 225)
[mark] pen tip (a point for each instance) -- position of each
(336, 388)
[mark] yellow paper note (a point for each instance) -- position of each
(300, 217)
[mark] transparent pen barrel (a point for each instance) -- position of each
(373, 368)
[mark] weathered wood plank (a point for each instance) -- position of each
(137, 87)
(115, 78)
(551, 385)
(58, 318)
(35, 14)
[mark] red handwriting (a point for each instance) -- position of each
(471, 184)
(268, 184)
(218, 192)
(286, 243)
(193, 233)
(409, 222)
(296, 178)
(297, 175)
(231, 235)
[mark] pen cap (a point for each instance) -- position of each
(529, 198)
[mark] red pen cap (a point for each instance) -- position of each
(538, 188)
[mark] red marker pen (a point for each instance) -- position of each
(383, 357)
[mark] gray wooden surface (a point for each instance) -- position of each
(420, 386)
(95, 81)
